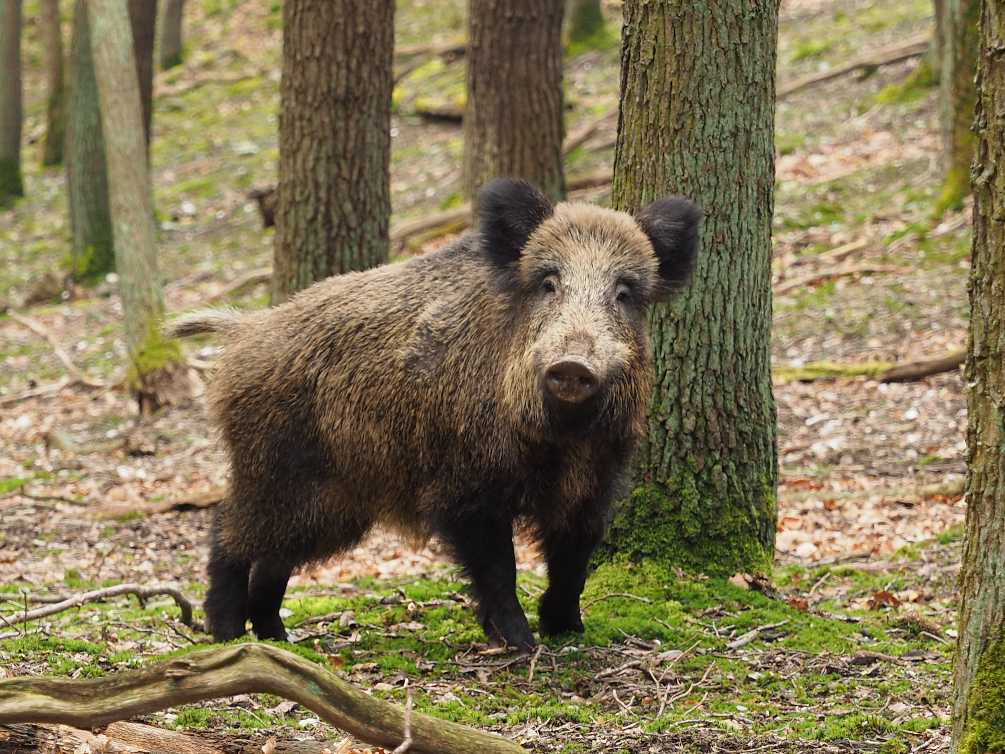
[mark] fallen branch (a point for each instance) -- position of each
(807, 281)
(46, 391)
(837, 254)
(914, 48)
(39, 329)
(248, 280)
(201, 81)
(229, 671)
(575, 140)
(456, 48)
(828, 370)
(745, 639)
(440, 113)
(143, 593)
(917, 370)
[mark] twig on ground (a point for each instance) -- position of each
(533, 663)
(247, 280)
(806, 281)
(745, 639)
(913, 48)
(39, 329)
(143, 593)
(229, 671)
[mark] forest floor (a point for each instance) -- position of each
(855, 647)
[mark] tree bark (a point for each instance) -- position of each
(55, 130)
(93, 251)
(11, 107)
(155, 361)
(979, 668)
(334, 140)
(171, 36)
(228, 671)
(959, 42)
(513, 117)
(143, 22)
(698, 90)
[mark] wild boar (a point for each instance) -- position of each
(500, 382)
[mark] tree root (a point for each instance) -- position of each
(232, 670)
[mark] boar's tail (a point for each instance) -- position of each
(205, 321)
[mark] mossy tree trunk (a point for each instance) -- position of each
(697, 118)
(958, 42)
(979, 669)
(155, 363)
(513, 116)
(86, 177)
(171, 34)
(334, 140)
(11, 113)
(93, 251)
(55, 129)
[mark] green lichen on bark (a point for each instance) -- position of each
(11, 185)
(985, 727)
(955, 188)
(155, 354)
(692, 522)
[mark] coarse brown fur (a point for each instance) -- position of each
(413, 396)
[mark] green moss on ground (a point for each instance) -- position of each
(916, 86)
(826, 370)
(984, 731)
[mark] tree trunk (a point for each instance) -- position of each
(959, 42)
(86, 177)
(585, 22)
(938, 31)
(143, 21)
(334, 140)
(11, 184)
(979, 669)
(698, 91)
(55, 130)
(171, 47)
(513, 117)
(154, 360)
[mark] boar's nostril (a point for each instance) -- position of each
(571, 380)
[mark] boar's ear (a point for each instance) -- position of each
(672, 226)
(508, 212)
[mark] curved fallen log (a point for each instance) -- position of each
(229, 671)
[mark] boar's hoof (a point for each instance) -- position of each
(273, 630)
(555, 619)
(513, 632)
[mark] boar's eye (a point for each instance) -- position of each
(550, 284)
(623, 293)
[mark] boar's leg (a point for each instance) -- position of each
(265, 596)
(484, 548)
(226, 603)
(567, 552)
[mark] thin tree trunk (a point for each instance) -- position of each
(513, 117)
(691, 103)
(154, 360)
(11, 114)
(55, 131)
(584, 22)
(86, 177)
(979, 668)
(959, 42)
(143, 22)
(334, 140)
(171, 25)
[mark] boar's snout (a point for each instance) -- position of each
(571, 380)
